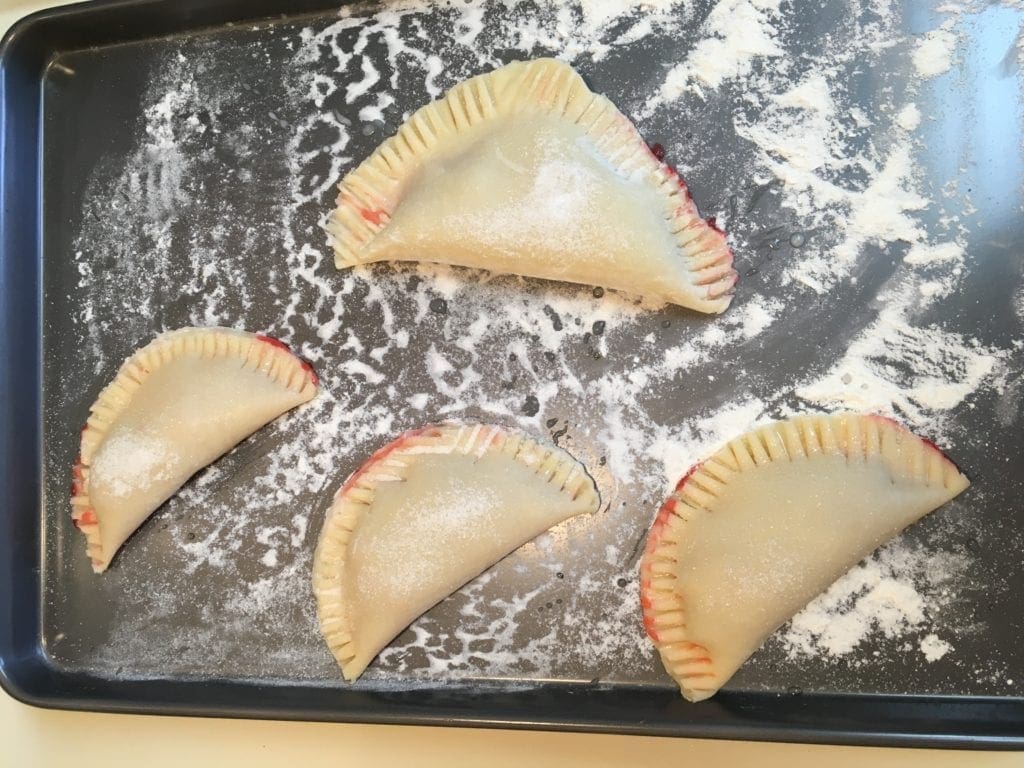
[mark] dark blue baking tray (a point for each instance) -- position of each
(31, 671)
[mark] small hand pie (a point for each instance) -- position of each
(423, 516)
(526, 171)
(754, 533)
(175, 406)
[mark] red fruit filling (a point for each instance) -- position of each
(658, 152)
(374, 217)
(925, 440)
(306, 366)
(649, 626)
(273, 342)
(382, 453)
(689, 473)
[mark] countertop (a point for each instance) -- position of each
(37, 737)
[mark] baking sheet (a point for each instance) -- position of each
(184, 180)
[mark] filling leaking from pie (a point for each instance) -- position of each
(755, 532)
(175, 406)
(525, 170)
(425, 515)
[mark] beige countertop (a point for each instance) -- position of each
(35, 737)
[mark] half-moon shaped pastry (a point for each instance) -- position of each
(524, 170)
(176, 405)
(755, 532)
(425, 515)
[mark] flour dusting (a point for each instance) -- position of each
(918, 372)
(736, 34)
(852, 240)
(933, 647)
(881, 595)
(934, 53)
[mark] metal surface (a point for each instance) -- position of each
(153, 636)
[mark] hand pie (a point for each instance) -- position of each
(425, 515)
(526, 171)
(758, 530)
(175, 406)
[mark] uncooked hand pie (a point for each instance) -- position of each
(755, 532)
(425, 515)
(175, 406)
(526, 171)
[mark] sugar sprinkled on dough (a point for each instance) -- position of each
(428, 534)
(128, 460)
(557, 205)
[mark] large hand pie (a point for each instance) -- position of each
(423, 516)
(175, 406)
(524, 170)
(759, 529)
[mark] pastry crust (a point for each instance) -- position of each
(524, 170)
(175, 406)
(755, 532)
(425, 515)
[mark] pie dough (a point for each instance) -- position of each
(425, 515)
(754, 533)
(175, 406)
(524, 170)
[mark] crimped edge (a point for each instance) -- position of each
(256, 351)
(859, 437)
(392, 464)
(369, 195)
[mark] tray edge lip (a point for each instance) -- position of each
(29, 22)
(14, 36)
(721, 731)
(131, 704)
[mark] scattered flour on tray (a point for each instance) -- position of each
(919, 372)
(933, 647)
(883, 594)
(637, 391)
(909, 118)
(934, 53)
(737, 33)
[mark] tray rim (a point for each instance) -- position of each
(29, 675)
